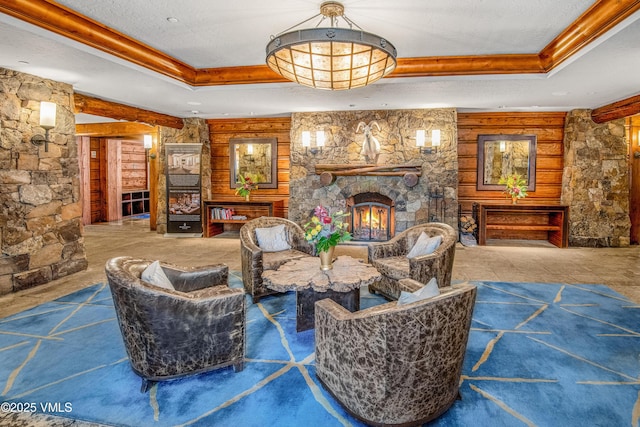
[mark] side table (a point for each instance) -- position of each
(341, 284)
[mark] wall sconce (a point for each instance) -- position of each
(421, 139)
(306, 141)
(148, 145)
(47, 122)
(250, 149)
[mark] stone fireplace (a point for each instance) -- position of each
(431, 194)
(372, 217)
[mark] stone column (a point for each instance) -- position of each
(40, 207)
(595, 181)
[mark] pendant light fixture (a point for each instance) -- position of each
(331, 58)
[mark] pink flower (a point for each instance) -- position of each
(326, 220)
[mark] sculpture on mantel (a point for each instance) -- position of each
(371, 145)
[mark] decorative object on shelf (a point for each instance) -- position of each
(246, 184)
(330, 58)
(515, 187)
(325, 231)
(370, 145)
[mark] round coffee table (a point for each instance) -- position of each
(341, 284)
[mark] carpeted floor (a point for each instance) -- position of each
(538, 354)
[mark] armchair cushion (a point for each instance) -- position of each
(429, 290)
(155, 275)
(424, 245)
(272, 239)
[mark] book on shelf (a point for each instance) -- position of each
(222, 213)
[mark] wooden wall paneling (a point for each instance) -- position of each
(221, 131)
(633, 137)
(84, 147)
(134, 166)
(113, 167)
(549, 130)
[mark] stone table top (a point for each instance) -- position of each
(347, 274)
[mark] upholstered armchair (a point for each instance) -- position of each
(395, 364)
(255, 259)
(167, 333)
(390, 258)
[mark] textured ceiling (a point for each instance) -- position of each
(211, 34)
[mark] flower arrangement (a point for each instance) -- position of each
(246, 183)
(515, 186)
(326, 230)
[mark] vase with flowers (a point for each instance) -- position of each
(515, 187)
(326, 230)
(246, 183)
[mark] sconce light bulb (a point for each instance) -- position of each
(420, 137)
(148, 142)
(503, 146)
(306, 138)
(435, 138)
(320, 138)
(47, 115)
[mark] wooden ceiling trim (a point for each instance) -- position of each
(599, 18)
(99, 107)
(115, 129)
(68, 23)
(617, 110)
(467, 65)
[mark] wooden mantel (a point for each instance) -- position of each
(409, 173)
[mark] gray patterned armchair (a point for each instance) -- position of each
(390, 258)
(198, 327)
(395, 365)
(255, 260)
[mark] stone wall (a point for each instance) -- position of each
(194, 131)
(595, 181)
(40, 209)
(397, 146)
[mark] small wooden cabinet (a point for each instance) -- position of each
(221, 215)
(523, 221)
(135, 202)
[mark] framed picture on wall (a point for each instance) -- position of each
(502, 155)
(255, 156)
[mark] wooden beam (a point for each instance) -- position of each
(115, 130)
(617, 110)
(598, 19)
(88, 105)
(71, 24)
(601, 17)
(467, 65)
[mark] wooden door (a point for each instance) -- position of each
(633, 136)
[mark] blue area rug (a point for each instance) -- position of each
(538, 355)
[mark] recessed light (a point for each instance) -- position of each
(194, 103)
(23, 62)
(384, 104)
(172, 19)
(352, 105)
(195, 111)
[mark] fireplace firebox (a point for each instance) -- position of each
(372, 217)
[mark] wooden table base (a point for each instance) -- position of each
(306, 299)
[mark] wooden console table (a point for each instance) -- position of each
(523, 221)
(216, 213)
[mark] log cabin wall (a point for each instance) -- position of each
(221, 131)
(549, 129)
(134, 166)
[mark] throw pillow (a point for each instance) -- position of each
(155, 275)
(273, 239)
(429, 290)
(424, 245)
